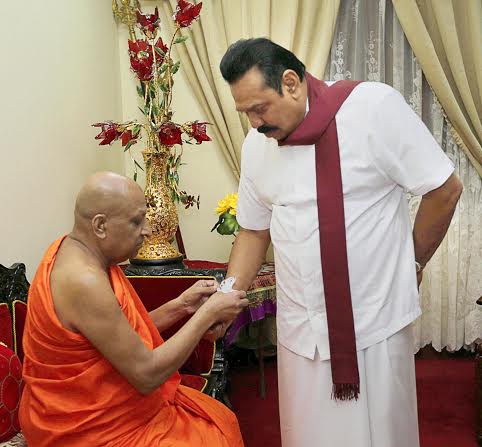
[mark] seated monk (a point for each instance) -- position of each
(96, 370)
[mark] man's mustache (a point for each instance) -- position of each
(266, 129)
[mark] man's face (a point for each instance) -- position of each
(270, 113)
(127, 227)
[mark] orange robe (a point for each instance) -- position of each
(74, 397)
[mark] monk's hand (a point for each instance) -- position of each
(194, 297)
(225, 307)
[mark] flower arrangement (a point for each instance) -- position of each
(226, 210)
(150, 60)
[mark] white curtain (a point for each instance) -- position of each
(369, 44)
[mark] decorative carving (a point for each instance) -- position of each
(172, 270)
(13, 283)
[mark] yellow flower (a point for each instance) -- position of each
(228, 203)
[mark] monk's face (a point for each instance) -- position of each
(127, 227)
(269, 112)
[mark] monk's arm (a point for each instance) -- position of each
(93, 310)
(433, 218)
(184, 305)
(247, 256)
(167, 314)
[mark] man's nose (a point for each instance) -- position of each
(255, 120)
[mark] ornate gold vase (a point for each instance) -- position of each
(161, 214)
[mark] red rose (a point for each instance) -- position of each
(148, 23)
(141, 59)
(186, 13)
(170, 134)
(160, 44)
(110, 132)
(198, 132)
(126, 137)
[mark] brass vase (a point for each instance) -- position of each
(161, 214)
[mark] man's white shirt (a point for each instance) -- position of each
(385, 151)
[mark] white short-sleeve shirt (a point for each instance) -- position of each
(385, 151)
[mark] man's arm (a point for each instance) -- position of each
(433, 219)
(90, 308)
(247, 256)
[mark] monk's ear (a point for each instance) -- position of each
(98, 225)
(291, 84)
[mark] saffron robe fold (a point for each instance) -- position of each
(74, 397)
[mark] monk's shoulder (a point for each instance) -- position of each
(75, 276)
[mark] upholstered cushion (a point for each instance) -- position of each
(157, 290)
(19, 316)
(10, 390)
(196, 382)
(6, 326)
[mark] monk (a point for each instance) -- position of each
(97, 372)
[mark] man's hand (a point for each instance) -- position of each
(194, 297)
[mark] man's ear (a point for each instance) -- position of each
(291, 84)
(98, 225)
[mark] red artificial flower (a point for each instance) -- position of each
(198, 132)
(110, 132)
(148, 23)
(170, 134)
(141, 59)
(126, 137)
(186, 13)
(160, 44)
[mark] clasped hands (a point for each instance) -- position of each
(223, 307)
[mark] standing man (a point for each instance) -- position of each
(324, 176)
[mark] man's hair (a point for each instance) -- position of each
(270, 59)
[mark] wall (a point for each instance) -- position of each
(60, 73)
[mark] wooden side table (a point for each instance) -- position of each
(262, 302)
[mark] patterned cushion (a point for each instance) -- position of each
(6, 326)
(196, 382)
(17, 441)
(10, 390)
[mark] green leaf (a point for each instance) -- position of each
(136, 129)
(229, 225)
(163, 68)
(138, 165)
(175, 67)
(135, 176)
(129, 144)
(181, 39)
(159, 51)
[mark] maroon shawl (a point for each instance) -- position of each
(319, 128)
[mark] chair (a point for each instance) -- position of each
(205, 368)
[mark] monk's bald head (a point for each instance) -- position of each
(110, 217)
(105, 193)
